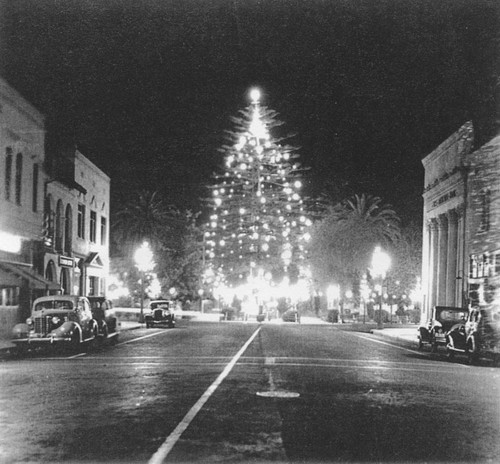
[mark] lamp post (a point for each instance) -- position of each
(380, 264)
(144, 261)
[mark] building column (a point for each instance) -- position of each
(461, 264)
(441, 260)
(451, 265)
(426, 276)
(433, 268)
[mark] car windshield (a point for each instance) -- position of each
(450, 315)
(54, 304)
(159, 304)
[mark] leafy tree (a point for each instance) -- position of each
(172, 234)
(343, 241)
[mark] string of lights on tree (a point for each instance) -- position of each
(258, 221)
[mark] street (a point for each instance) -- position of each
(244, 392)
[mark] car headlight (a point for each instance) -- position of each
(56, 320)
(29, 321)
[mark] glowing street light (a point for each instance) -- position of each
(144, 261)
(381, 262)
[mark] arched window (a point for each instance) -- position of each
(65, 281)
(48, 221)
(8, 172)
(485, 210)
(19, 177)
(35, 187)
(59, 226)
(68, 231)
(50, 271)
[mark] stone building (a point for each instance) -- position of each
(76, 223)
(484, 225)
(54, 215)
(22, 181)
(461, 235)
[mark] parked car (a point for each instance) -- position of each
(478, 336)
(291, 315)
(102, 310)
(57, 320)
(161, 313)
(443, 318)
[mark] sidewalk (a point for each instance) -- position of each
(406, 335)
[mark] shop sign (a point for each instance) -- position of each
(66, 261)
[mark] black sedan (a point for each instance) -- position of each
(161, 313)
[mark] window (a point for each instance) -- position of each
(8, 173)
(81, 221)
(93, 226)
(68, 233)
(485, 210)
(93, 284)
(103, 231)
(35, 188)
(48, 222)
(60, 226)
(19, 177)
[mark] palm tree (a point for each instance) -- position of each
(143, 216)
(367, 213)
(343, 241)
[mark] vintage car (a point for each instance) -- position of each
(57, 320)
(291, 315)
(161, 313)
(478, 336)
(443, 318)
(102, 310)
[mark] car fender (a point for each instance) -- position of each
(67, 329)
(20, 330)
(456, 339)
(424, 333)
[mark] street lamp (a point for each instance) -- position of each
(144, 261)
(380, 264)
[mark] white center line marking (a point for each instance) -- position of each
(172, 439)
(118, 344)
(396, 346)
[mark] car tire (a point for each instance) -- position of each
(472, 355)
(75, 342)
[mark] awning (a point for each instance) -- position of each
(35, 281)
(93, 259)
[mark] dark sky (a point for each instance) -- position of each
(146, 89)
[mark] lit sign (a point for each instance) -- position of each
(10, 243)
(66, 261)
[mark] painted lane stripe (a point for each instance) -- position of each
(79, 355)
(172, 439)
(397, 346)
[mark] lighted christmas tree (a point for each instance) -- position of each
(258, 224)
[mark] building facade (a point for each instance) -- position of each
(484, 227)
(444, 247)
(76, 224)
(22, 181)
(461, 235)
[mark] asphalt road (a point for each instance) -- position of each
(236, 392)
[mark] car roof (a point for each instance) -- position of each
(59, 297)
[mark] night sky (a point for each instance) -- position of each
(146, 89)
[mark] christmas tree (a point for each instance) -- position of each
(258, 224)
